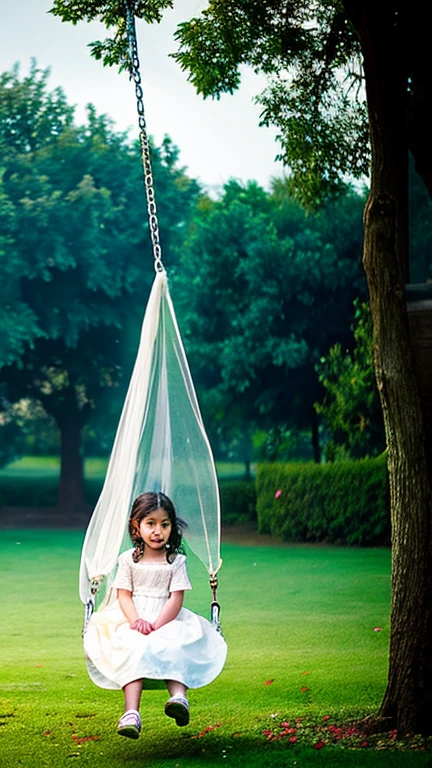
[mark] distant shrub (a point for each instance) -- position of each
(238, 501)
(28, 492)
(39, 491)
(341, 503)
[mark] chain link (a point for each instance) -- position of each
(144, 142)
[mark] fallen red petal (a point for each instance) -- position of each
(206, 730)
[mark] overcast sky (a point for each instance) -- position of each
(217, 139)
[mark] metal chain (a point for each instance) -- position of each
(144, 142)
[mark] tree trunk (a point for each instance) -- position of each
(409, 691)
(70, 417)
(70, 499)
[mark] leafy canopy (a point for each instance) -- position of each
(76, 262)
(113, 50)
(309, 53)
(262, 291)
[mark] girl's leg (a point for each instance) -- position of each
(132, 694)
(175, 688)
(177, 706)
(130, 723)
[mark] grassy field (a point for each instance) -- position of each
(300, 625)
(49, 466)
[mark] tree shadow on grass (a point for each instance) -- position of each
(252, 752)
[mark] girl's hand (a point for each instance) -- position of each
(143, 626)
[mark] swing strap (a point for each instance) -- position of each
(134, 71)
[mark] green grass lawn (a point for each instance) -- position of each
(299, 623)
(49, 466)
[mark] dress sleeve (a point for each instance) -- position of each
(179, 578)
(123, 578)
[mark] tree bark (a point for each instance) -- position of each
(70, 417)
(408, 695)
(70, 498)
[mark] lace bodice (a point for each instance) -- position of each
(151, 579)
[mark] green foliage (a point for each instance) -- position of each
(262, 291)
(319, 144)
(310, 54)
(282, 443)
(351, 409)
(26, 428)
(238, 501)
(341, 503)
(314, 98)
(28, 492)
(115, 50)
(79, 263)
(30, 114)
(10, 441)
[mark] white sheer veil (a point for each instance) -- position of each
(160, 445)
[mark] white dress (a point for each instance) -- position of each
(187, 649)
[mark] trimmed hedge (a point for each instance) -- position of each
(28, 492)
(238, 501)
(344, 502)
(40, 491)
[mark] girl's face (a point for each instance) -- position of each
(155, 529)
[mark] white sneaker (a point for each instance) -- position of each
(129, 724)
(178, 708)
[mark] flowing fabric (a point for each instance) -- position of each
(160, 445)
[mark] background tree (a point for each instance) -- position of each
(262, 291)
(77, 266)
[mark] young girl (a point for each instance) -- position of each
(146, 633)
